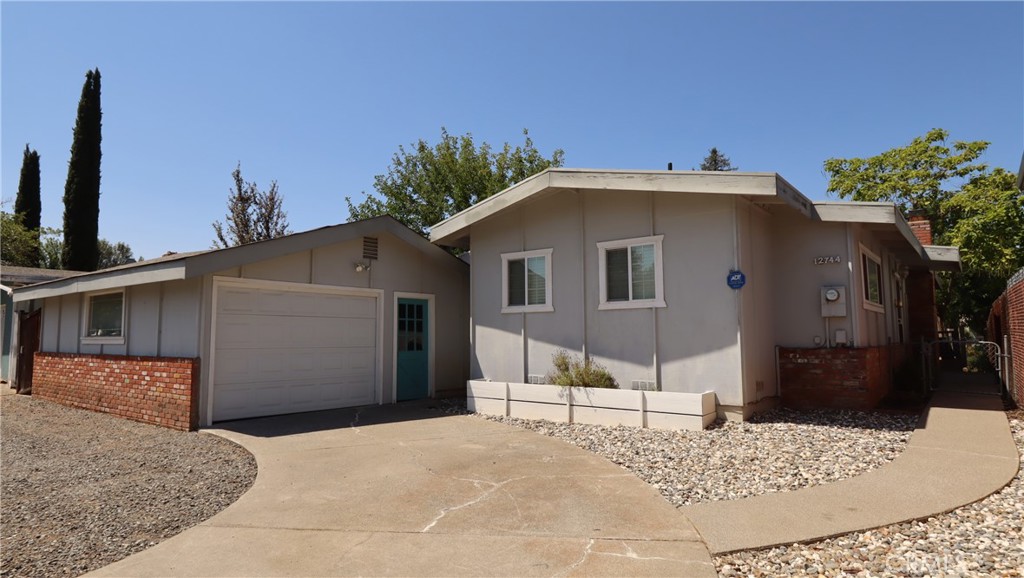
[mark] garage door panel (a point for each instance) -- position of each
(281, 351)
(267, 365)
(236, 300)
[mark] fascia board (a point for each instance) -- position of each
(215, 261)
(159, 272)
(856, 212)
(454, 228)
(449, 230)
(749, 184)
(943, 258)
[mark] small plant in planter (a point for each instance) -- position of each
(572, 371)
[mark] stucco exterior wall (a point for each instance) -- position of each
(692, 345)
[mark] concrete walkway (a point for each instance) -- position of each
(402, 491)
(961, 452)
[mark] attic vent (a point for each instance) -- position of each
(369, 247)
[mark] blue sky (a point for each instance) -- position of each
(319, 96)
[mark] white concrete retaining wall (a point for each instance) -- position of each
(653, 409)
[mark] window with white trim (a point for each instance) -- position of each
(104, 316)
(526, 282)
(871, 272)
(631, 273)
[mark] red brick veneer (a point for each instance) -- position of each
(1007, 318)
(838, 377)
(162, 391)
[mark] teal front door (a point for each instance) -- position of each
(413, 349)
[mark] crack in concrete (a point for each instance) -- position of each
(583, 558)
(631, 554)
(476, 484)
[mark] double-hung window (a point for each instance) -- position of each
(630, 273)
(104, 317)
(526, 282)
(871, 271)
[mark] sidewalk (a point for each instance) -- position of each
(961, 452)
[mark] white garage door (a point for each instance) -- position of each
(286, 351)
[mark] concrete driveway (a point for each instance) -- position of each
(406, 491)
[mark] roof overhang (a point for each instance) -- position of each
(100, 280)
(943, 258)
(765, 188)
(197, 264)
(887, 223)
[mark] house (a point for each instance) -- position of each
(361, 313)
(728, 282)
(10, 278)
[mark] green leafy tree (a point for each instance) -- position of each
(111, 254)
(51, 248)
(716, 161)
(114, 254)
(19, 246)
(253, 215)
(28, 204)
(968, 206)
(82, 190)
(915, 177)
(986, 220)
(429, 183)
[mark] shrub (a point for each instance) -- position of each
(572, 371)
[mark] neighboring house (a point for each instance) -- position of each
(12, 277)
(693, 281)
(361, 313)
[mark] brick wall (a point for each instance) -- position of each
(921, 312)
(920, 226)
(161, 391)
(1007, 318)
(838, 377)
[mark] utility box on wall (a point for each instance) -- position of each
(833, 301)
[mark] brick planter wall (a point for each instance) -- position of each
(837, 378)
(161, 391)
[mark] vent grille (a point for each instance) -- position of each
(370, 248)
(645, 385)
(536, 379)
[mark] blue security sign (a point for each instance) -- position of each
(736, 279)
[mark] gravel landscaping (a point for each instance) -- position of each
(82, 489)
(985, 538)
(778, 451)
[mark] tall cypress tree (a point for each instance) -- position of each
(28, 203)
(82, 190)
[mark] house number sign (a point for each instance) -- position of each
(827, 260)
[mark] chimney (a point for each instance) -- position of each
(921, 226)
